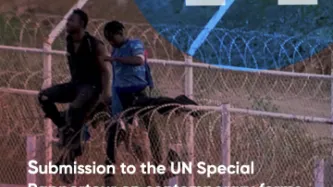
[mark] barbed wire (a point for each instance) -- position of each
(287, 146)
(210, 86)
(235, 47)
(283, 151)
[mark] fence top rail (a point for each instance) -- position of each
(184, 64)
(214, 108)
(247, 70)
(19, 91)
(263, 113)
(32, 50)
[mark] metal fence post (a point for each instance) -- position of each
(188, 152)
(319, 172)
(225, 141)
(48, 132)
(47, 75)
(31, 149)
(322, 174)
(188, 77)
(331, 160)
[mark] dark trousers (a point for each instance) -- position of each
(127, 101)
(141, 101)
(82, 98)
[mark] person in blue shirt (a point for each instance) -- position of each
(131, 74)
(131, 77)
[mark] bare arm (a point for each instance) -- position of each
(133, 60)
(105, 68)
(137, 57)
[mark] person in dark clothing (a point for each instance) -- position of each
(90, 84)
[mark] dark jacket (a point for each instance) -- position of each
(83, 65)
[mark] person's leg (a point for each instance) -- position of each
(153, 132)
(101, 108)
(114, 136)
(128, 100)
(111, 148)
(86, 98)
(62, 93)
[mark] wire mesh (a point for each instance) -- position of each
(283, 150)
(241, 89)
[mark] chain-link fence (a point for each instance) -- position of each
(242, 89)
(283, 150)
